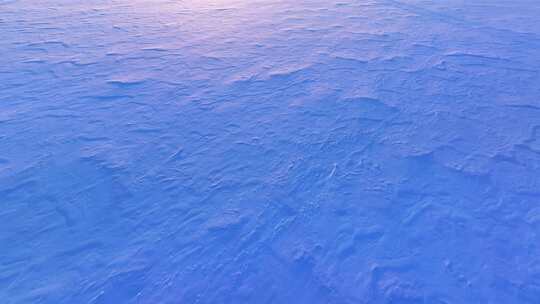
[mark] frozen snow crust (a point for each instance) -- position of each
(208, 151)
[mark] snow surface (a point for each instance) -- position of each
(206, 151)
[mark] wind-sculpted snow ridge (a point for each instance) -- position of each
(270, 151)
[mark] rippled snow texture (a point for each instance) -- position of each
(270, 151)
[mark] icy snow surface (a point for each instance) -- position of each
(270, 151)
